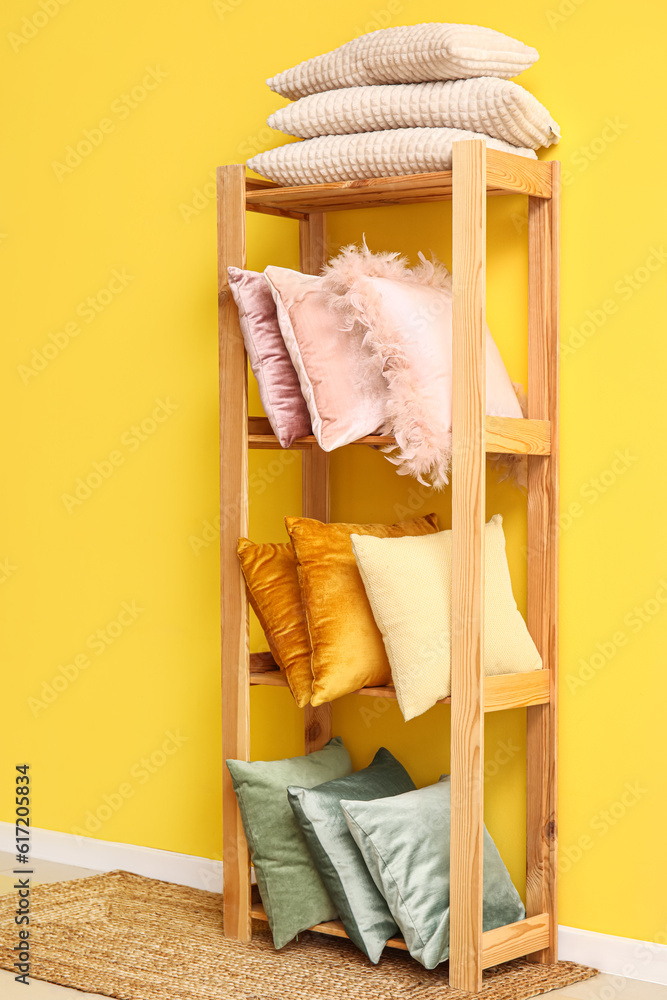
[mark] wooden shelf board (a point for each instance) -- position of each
(506, 435)
(506, 173)
(499, 945)
(333, 927)
(501, 693)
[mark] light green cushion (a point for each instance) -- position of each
(360, 905)
(292, 892)
(405, 844)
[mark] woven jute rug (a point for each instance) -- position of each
(134, 938)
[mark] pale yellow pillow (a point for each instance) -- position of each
(409, 586)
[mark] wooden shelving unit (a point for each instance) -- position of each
(476, 174)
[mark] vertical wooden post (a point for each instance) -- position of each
(542, 722)
(313, 253)
(233, 523)
(468, 518)
(315, 462)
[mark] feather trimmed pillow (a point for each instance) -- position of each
(388, 153)
(497, 108)
(411, 53)
(403, 317)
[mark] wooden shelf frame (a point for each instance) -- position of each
(506, 435)
(476, 174)
(499, 945)
(500, 693)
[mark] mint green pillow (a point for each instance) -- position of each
(360, 905)
(405, 844)
(292, 892)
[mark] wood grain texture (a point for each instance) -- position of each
(281, 213)
(542, 723)
(512, 436)
(315, 492)
(507, 173)
(234, 522)
(262, 663)
(333, 927)
(313, 251)
(468, 517)
(514, 940)
(499, 945)
(269, 678)
(513, 174)
(501, 693)
(505, 435)
(510, 691)
(315, 483)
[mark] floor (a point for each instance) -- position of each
(603, 987)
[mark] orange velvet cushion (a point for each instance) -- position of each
(348, 651)
(270, 573)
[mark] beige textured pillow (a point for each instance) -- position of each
(412, 53)
(409, 586)
(389, 153)
(498, 108)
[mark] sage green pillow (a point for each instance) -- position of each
(360, 905)
(292, 892)
(405, 844)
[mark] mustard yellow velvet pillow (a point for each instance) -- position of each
(270, 573)
(348, 651)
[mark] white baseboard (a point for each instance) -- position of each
(617, 956)
(104, 855)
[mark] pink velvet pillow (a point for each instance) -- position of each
(270, 362)
(345, 394)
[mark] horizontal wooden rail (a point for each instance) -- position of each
(515, 940)
(506, 173)
(504, 435)
(514, 174)
(500, 693)
(499, 945)
(516, 691)
(333, 927)
(511, 436)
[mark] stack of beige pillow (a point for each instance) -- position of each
(392, 102)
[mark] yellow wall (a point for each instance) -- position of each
(132, 730)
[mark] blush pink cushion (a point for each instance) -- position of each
(346, 400)
(277, 380)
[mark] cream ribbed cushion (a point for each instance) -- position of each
(369, 154)
(413, 53)
(409, 586)
(498, 108)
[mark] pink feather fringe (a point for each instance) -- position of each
(420, 424)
